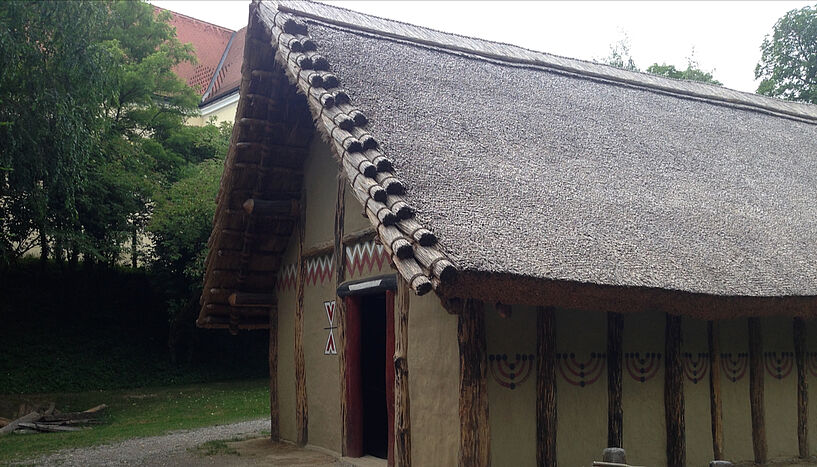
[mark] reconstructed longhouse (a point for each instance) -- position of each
(471, 253)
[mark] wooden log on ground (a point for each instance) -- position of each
(248, 299)
(301, 407)
(715, 405)
(756, 390)
(46, 428)
(402, 419)
(799, 328)
(546, 415)
(475, 432)
(29, 418)
(274, 405)
(674, 393)
(615, 413)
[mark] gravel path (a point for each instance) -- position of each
(168, 449)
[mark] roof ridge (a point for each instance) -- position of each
(176, 13)
(516, 55)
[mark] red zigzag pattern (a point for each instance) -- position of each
(361, 258)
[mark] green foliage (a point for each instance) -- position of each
(788, 64)
(692, 72)
(53, 82)
(138, 413)
(91, 100)
(104, 328)
(620, 56)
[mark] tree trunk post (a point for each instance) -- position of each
(674, 393)
(756, 390)
(301, 406)
(799, 326)
(615, 413)
(546, 415)
(715, 406)
(402, 418)
(275, 427)
(475, 433)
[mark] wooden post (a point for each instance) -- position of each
(715, 406)
(615, 414)
(674, 393)
(275, 427)
(546, 415)
(799, 328)
(756, 390)
(402, 419)
(301, 407)
(340, 275)
(475, 433)
(353, 420)
(390, 375)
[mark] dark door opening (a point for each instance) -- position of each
(373, 375)
(368, 318)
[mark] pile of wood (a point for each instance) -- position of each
(50, 420)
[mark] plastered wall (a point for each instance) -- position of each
(695, 355)
(643, 388)
(737, 421)
(780, 382)
(510, 400)
(433, 366)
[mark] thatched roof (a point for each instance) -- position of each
(539, 167)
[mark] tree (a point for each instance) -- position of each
(693, 71)
(180, 227)
(52, 85)
(88, 98)
(620, 56)
(788, 62)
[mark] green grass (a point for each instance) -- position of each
(139, 412)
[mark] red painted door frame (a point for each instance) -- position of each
(354, 376)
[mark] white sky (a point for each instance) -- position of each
(726, 36)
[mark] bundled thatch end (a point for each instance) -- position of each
(368, 170)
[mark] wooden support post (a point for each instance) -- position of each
(546, 416)
(799, 328)
(475, 433)
(756, 390)
(615, 414)
(301, 407)
(275, 427)
(402, 419)
(353, 419)
(390, 375)
(674, 393)
(715, 406)
(340, 275)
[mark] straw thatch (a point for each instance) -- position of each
(515, 163)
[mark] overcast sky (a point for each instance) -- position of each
(726, 36)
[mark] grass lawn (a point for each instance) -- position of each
(138, 412)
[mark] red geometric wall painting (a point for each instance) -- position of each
(330, 348)
(361, 259)
(510, 373)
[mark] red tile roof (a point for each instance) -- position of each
(210, 42)
(229, 76)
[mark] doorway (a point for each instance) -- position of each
(373, 375)
(369, 329)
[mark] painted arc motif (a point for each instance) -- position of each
(510, 373)
(642, 367)
(696, 366)
(581, 373)
(778, 364)
(734, 365)
(811, 363)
